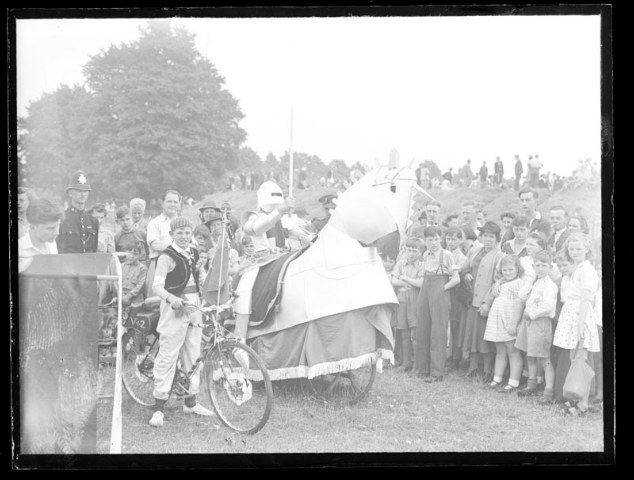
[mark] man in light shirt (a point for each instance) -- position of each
(158, 232)
(44, 216)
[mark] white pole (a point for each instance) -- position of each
(290, 162)
(117, 431)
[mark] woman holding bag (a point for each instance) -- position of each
(577, 329)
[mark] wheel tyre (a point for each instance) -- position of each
(139, 391)
(224, 376)
(344, 388)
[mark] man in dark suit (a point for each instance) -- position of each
(528, 201)
(328, 204)
(519, 170)
(558, 220)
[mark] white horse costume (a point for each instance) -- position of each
(336, 298)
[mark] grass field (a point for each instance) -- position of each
(400, 414)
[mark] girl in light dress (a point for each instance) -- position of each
(502, 325)
(577, 325)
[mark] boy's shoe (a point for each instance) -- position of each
(507, 389)
(493, 385)
(157, 419)
(528, 392)
(546, 400)
(198, 409)
(433, 379)
(475, 373)
(408, 368)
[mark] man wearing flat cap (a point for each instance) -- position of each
(328, 204)
(78, 232)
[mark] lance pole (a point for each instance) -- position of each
(290, 159)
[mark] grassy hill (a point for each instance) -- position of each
(493, 201)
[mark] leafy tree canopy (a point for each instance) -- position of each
(154, 115)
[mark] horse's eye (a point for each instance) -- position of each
(393, 188)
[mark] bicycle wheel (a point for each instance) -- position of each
(344, 388)
(137, 366)
(242, 397)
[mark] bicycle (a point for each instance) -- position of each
(240, 391)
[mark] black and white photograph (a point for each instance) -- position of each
(379, 234)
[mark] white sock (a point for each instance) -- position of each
(514, 383)
(497, 379)
(540, 380)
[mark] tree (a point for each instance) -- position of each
(248, 160)
(154, 115)
(271, 162)
(434, 170)
(312, 165)
(53, 141)
(340, 169)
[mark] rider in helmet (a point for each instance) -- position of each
(264, 226)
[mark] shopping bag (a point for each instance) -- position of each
(579, 378)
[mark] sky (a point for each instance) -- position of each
(441, 88)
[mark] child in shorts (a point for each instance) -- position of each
(535, 332)
(407, 277)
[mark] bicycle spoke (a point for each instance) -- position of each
(241, 394)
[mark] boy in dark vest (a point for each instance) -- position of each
(175, 281)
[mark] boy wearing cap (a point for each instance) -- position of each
(79, 231)
(175, 282)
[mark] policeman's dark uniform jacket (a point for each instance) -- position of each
(78, 232)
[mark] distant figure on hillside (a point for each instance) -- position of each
(484, 174)
(424, 177)
(519, 171)
(418, 173)
(467, 174)
(448, 175)
(498, 170)
(534, 164)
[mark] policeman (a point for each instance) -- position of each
(328, 204)
(78, 232)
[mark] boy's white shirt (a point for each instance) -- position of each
(542, 301)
